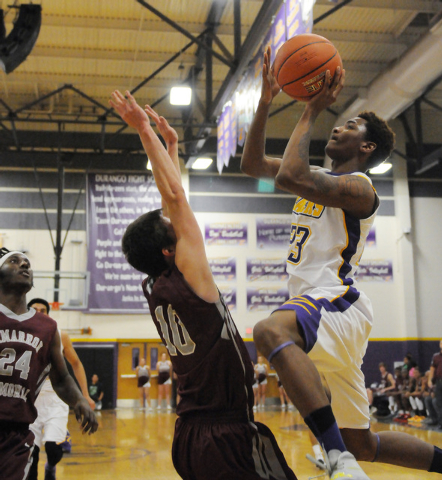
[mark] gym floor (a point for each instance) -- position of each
(135, 444)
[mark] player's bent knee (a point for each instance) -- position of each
(54, 453)
(268, 334)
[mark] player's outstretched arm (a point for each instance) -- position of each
(190, 254)
(66, 388)
(170, 137)
(72, 357)
(254, 161)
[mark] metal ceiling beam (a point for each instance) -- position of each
(425, 6)
(182, 30)
(151, 26)
(331, 11)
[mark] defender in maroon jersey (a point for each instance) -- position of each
(215, 435)
(29, 352)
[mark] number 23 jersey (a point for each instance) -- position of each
(213, 367)
(326, 244)
(25, 342)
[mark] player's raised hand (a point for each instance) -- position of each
(270, 87)
(128, 109)
(85, 417)
(328, 95)
(167, 132)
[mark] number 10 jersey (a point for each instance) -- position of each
(213, 367)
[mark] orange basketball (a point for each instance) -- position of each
(301, 63)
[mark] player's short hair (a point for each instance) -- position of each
(143, 242)
(378, 132)
(382, 364)
(39, 300)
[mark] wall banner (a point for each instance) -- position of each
(266, 298)
(266, 270)
(273, 232)
(114, 201)
(226, 234)
(375, 271)
(223, 269)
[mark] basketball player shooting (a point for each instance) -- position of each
(215, 434)
(326, 324)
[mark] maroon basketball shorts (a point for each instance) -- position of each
(16, 446)
(217, 450)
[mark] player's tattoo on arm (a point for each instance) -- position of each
(303, 147)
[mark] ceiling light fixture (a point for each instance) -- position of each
(202, 163)
(382, 168)
(180, 95)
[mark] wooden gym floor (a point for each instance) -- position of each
(133, 444)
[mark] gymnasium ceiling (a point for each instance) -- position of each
(87, 48)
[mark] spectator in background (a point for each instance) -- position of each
(416, 393)
(143, 376)
(378, 397)
(96, 392)
(396, 394)
(261, 372)
(430, 403)
(164, 367)
(409, 364)
(436, 381)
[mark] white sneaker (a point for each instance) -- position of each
(255, 408)
(169, 407)
(343, 465)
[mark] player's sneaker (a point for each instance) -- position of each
(49, 472)
(343, 465)
(66, 446)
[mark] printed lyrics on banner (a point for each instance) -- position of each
(113, 202)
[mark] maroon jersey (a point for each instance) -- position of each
(25, 342)
(213, 367)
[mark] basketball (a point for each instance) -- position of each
(301, 63)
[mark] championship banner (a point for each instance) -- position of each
(114, 201)
(273, 233)
(266, 269)
(226, 234)
(293, 18)
(223, 269)
(375, 271)
(260, 299)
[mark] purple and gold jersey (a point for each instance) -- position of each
(25, 342)
(214, 370)
(326, 245)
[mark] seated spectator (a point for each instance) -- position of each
(409, 364)
(379, 396)
(415, 394)
(396, 394)
(96, 392)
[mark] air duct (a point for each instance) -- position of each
(397, 88)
